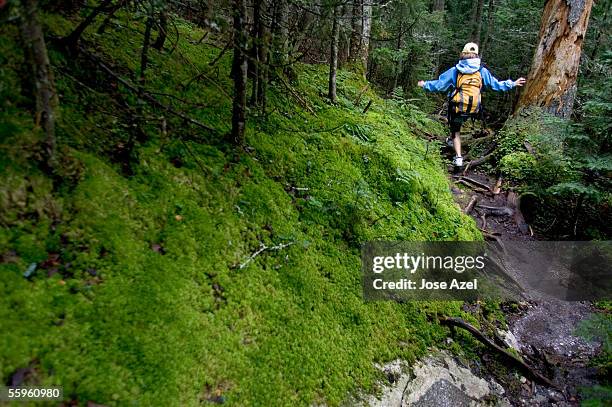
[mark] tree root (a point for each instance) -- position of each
(535, 375)
(471, 204)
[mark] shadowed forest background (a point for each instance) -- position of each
(186, 185)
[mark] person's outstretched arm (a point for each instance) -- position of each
(445, 81)
(500, 86)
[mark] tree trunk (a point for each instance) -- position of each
(280, 32)
(44, 85)
(144, 55)
(163, 31)
(254, 61)
(477, 22)
(551, 83)
(73, 38)
(485, 42)
(438, 5)
(361, 23)
(239, 72)
(356, 30)
(364, 53)
(333, 59)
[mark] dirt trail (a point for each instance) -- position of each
(542, 332)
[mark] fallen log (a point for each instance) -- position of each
(467, 184)
(497, 210)
(481, 160)
(535, 375)
(473, 181)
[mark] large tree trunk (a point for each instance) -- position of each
(42, 78)
(552, 79)
(365, 34)
(356, 29)
(438, 5)
(239, 72)
(280, 34)
(333, 59)
(361, 23)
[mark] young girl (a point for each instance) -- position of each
(469, 63)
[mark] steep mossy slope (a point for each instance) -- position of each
(137, 292)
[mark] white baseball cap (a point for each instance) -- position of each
(471, 48)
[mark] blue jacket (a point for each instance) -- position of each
(449, 78)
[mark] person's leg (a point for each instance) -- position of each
(457, 143)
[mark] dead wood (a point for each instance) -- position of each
(535, 375)
(474, 182)
(515, 203)
(497, 210)
(144, 94)
(497, 188)
(471, 204)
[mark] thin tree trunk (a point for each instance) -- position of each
(73, 38)
(239, 72)
(109, 17)
(551, 83)
(333, 59)
(400, 63)
(163, 31)
(255, 62)
(485, 42)
(477, 22)
(44, 85)
(144, 55)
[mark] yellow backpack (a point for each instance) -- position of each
(466, 97)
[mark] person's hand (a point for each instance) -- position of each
(421, 84)
(519, 82)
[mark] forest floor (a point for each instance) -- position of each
(543, 332)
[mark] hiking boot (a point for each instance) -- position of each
(458, 161)
(449, 142)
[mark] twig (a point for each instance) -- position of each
(458, 322)
(223, 51)
(300, 100)
(364, 90)
(367, 107)
(147, 96)
(263, 248)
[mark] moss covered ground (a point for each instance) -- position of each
(134, 292)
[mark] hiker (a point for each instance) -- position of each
(466, 79)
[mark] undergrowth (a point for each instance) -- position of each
(131, 279)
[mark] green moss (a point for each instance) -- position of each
(146, 299)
